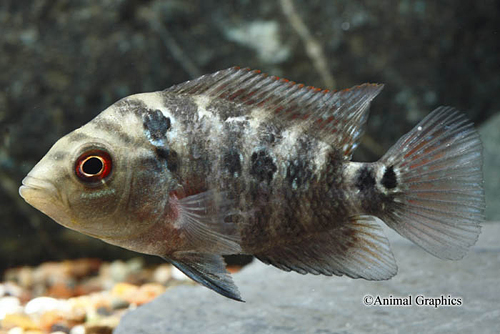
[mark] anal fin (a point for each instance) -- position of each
(208, 270)
(357, 249)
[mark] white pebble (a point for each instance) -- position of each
(41, 305)
(16, 330)
(9, 305)
(162, 274)
(179, 275)
(118, 271)
(12, 289)
(78, 329)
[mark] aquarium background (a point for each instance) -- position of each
(63, 61)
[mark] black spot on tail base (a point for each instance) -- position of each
(366, 179)
(389, 180)
(262, 166)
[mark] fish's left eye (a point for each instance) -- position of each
(93, 165)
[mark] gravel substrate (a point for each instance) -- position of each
(82, 296)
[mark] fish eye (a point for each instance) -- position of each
(93, 165)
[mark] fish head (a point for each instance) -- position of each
(103, 179)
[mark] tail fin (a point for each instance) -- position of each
(439, 198)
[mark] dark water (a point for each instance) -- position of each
(63, 61)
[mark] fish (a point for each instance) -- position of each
(241, 162)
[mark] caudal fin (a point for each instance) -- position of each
(439, 198)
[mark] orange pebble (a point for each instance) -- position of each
(148, 292)
(60, 290)
(48, 319)
(19, 320)
(125, 291)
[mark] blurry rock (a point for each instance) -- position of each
(16, 330)
(41, 305)
(103, 325)
(50, 319)
(19, 320)
(118, 303)
(89, 285)
(147, 293)
(11, 289)
(51, 273)
(135, 264)
(9, 305)
(125, 291)
(83, 267)
(490, 135)
(162, 273)
(118, 271)
(61, 290)
(25, 277)
(79, 329)
(98, 329)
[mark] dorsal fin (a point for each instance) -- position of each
(335, 116)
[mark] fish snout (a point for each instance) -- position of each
(34, 189)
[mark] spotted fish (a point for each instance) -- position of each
(239, 162)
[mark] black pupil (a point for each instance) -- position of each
(92, 166)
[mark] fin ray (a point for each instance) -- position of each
(205, 221)
(338, 117)
(441, 197)
(208, 270)
(357, 249)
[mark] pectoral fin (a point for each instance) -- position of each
(205, 220)
(208, 270)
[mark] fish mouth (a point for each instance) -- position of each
(33, 189)
(44, 196)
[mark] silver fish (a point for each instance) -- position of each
(238, 162)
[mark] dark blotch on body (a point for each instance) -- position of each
(232, 162)
(262, 166)
(365, 180)
(156, 125)
(389, 180)
(170, 156)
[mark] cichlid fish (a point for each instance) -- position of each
(238, 162)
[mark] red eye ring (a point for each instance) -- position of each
(93, 165)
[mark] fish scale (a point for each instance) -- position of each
(240, 162)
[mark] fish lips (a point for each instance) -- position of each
(44, 196)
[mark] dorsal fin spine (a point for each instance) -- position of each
(336, 117)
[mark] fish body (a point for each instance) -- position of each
(238, 162)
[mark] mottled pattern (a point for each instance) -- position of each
(262, 166)
(287, 185)
(182, 107)
(129, 105)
